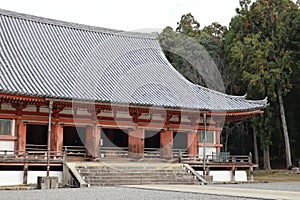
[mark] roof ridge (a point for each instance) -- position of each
(74, 25)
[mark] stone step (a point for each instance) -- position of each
(99, 184)
(105, 174)
(137, 182)
(135, 174)
(129, 170)
(130, 167)
(154, 177)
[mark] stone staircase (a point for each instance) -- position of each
(134, 173)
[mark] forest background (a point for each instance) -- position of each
(258, 55)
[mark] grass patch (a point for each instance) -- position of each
(275, 176)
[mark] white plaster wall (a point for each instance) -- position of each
(241, 176)
(32, 176)
(221, 176)
(30, 109)
(7, 145)
(6, 106)
(11, 178)
(208, 151)
(16, 177)
(225, 176)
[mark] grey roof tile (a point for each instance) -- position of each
(49, 58)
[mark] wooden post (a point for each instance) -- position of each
(97, 139)
(53, 138)
(57, 131)
(93, 141)
(233, 173)
(20, 127)
(25, 173)
(251, 176)
(251, 167)
(166, 144)
(59, 137)
(49, 137)
(21, 133)
(192, 143)
(136, 143)
(89, 141)
(218, 141)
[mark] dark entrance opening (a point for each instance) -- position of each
(152, 139)
(74, 140)
(36, 137)
(114, 143)
(180, 142)
(114, 138)
(152, 144)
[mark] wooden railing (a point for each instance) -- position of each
(151, 152)
(217, 158)
(183, 156)
(79, 151)
(113, 152)
(36, 147)
(30, 156)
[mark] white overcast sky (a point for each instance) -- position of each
(128, 15)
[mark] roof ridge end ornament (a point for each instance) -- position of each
(263, 102)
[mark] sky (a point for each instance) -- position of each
(127, 15)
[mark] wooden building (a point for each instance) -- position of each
(107, 93)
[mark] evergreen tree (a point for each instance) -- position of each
(258, 46)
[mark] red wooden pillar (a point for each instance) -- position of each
(166, 144)
(96, 144)
(53, 145)
(20, 127)
(57, 131)
(136, 143)
(192, 143)
(92, 141)
(56, 143)
(89, 140)
(218, 141)
(59, 137)
(21, 133)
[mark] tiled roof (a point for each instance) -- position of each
(49, 58)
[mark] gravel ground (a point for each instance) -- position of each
(106, 193)
(285, 186)
(111, 193)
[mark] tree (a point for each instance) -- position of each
(189, 26)
(215, 30)
(259, 47)
(174, 49)
(195, 53)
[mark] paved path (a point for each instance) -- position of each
(108, 193)
(225, 191)
(285, 186)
